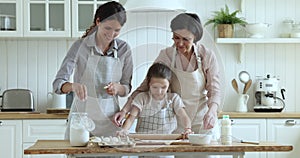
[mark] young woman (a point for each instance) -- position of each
(103, 69)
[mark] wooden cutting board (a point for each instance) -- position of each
(57, 111)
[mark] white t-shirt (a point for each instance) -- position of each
(144, 99)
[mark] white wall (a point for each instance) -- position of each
(32, 63)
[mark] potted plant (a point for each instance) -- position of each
(224, 21)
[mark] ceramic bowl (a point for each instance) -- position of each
(257, 30)
(200, 139)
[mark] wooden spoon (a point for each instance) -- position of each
(247, 86)
(235, 85)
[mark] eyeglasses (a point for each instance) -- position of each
(184, 39)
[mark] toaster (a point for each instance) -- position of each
(17, 100)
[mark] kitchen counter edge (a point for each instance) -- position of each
(252, 115)
(243, 115)
(30, 115)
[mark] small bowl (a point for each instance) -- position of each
(200, 139)
(257, 30)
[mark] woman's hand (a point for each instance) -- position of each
(80, 90)
(210, 117)
(119, 117)
(114, 88)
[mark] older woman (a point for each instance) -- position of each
(197, 70)
(197, 75)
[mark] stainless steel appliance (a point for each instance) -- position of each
(266, 95)
(17, 100)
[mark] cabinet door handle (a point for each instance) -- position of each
(232, 122)
(1, 123)
(290, 122)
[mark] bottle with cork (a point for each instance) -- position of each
(226, 131)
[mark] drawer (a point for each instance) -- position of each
(48, 129)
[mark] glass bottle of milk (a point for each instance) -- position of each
(79, 134)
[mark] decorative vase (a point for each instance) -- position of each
(225, 30)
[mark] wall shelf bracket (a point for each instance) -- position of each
(241, 52)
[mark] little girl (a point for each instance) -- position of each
(156, 109)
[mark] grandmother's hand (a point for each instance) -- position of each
(210, 117)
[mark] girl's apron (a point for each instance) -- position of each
(100, 106)
(191, 87)
(157, 117)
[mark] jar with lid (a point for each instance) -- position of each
(287, 25)
(79, 134)
(296, 30)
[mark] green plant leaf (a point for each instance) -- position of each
(223, 16)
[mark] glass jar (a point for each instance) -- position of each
(296, 31)
(79, 134)
(287, 25)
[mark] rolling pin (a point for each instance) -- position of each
(155, 136)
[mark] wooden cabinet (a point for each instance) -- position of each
(284, 131)
(43, 129)
(11, 138)
(47, 18)
(13, 25)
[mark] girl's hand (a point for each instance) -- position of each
(122, 133)
(118, 118)
(186, 132)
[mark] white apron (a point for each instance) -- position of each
(157, 119)
(191, 87)
(100, 106)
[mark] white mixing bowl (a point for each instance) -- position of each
(200, 139)
(257, 30)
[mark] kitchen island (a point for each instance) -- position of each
(237, 150)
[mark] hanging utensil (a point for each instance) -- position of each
(247, 86)
(235, 85)
(244, 77)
